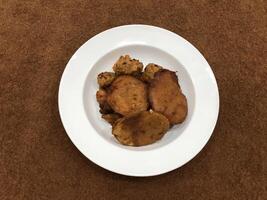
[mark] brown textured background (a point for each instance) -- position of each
(38, 160)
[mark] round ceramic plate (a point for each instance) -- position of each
(79, 110)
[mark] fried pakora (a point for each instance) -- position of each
(127, 95)
(104, 79)
(126, 65)
(166, 97)
(112, 117)
(101, 97)
(141, 106)
(140, 129)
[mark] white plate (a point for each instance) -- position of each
(92, 135)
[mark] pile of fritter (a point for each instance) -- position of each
(141, 105)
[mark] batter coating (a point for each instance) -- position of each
(166, 97)
(141, 129)
(128, 95)
(104, 79)
(101, 97)
(111, 118)
(126, 65)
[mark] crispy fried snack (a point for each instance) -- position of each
(101, 97)
(149, 72)
(141, 129)
(151, 69)
(126, 65)
(165, 96)
(104, 79)
(127, 95)
(111, 118)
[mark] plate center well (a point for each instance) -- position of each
(146, 54)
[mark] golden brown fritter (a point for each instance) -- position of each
(101, 97)
(127, 95)
(165, 96)
(151, 69)
(126, 65)
(149, 72)
(104, 79)
(141, 129)
(141, 77)
(111, 118)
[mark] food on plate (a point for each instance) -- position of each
(166, 97)
(126, 65)
(128, 95)
(141, 106)
(101, 97)
(104, 79)
(151, 69)
(111, 117)
(149, 72)
(140, 129)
